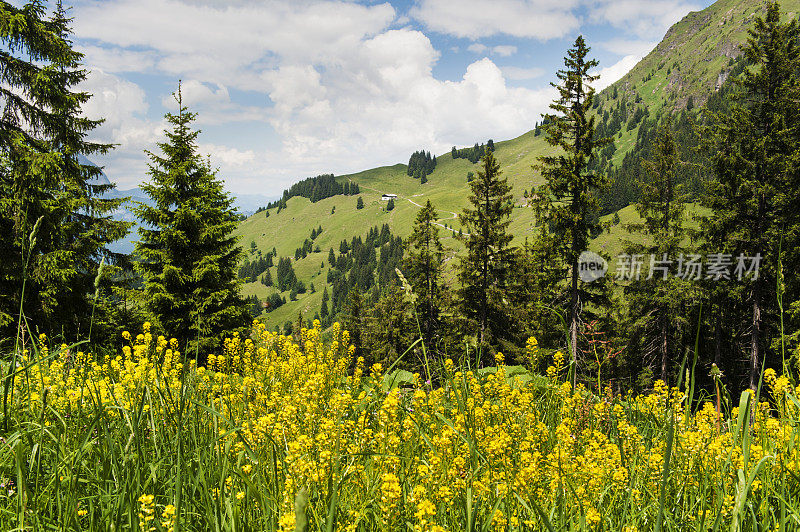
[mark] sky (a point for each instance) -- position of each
(288, 89)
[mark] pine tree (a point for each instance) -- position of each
(423, 264)
(534, 289)
(359, 203)
(573, 213)
(285, 276)
(658, 298)
(754, 198)
(266, 279)
(188, 250)
(45, 180)
(484, 269)
(390, 330)
(354, 322)
(323, 311)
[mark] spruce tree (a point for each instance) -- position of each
(572, 187)
(187, 248)
(359, 203)
(753, 149)
(484, 269)
(323, 311)
(390, 330)
(423, 265)
(354, 320)
(658, 297)
(45, 179)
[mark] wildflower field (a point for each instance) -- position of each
(272, 435)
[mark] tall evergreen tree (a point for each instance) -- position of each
(188, 250)
(755, 198)
(390, 330)
(354, 322)
(658, 298)
(534, 288)
(423, 265)
(573, 211)
(323, 312)
(484, 269)
(45, 179)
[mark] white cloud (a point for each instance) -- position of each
(648, 19)
(629, 47)
(340, 88)
(504, 50)
(540, 19)
(610, 74)
(230, 44)
(212, 104)
(123, 105)
(401, 108)
(518, 73)
(113, 98)
(117, 59)
(227, 158)
(196, 93)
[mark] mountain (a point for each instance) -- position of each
(101, 179)
(247, 204)
(696, 55)
(693, 61)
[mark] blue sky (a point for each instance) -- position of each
(287, 89)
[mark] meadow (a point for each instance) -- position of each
(283, 433)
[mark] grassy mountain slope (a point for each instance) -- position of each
(689, 63)
(694, 57)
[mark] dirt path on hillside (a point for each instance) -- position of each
(408, 199)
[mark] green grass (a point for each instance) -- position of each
(698, 44)
(280, 434)
(447, 189)
(701, 45)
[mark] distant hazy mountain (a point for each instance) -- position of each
(246, 203)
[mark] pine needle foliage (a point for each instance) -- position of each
(424, 268)
(570, 192)
(484, 270)
(753, 150)
(45, 176)
(188, 251)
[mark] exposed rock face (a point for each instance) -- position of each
(728, 49)
(695, 56)
(721, 78)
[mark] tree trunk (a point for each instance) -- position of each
(664, 352)
(718, 338)
(573, 324)
(755, 339)
(484, 297)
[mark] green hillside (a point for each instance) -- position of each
(694, 57)
(691, 62)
